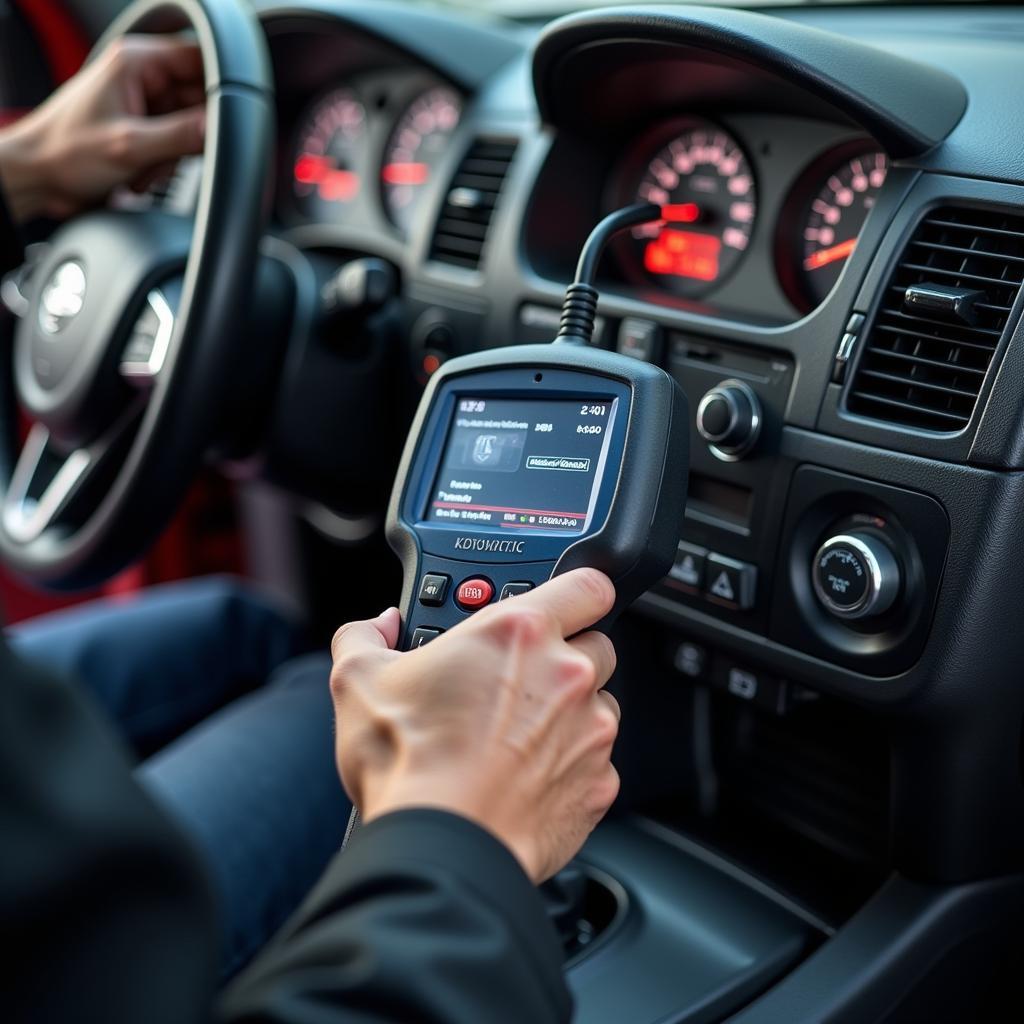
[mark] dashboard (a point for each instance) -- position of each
(836, 286)
(764, 211)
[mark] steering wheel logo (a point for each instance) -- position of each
(63, 297)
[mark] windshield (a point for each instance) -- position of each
(538, 9)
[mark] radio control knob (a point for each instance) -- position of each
(729, 418)
(855, 575)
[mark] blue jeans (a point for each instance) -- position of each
(235, 736)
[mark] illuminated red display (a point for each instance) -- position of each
(332, 184)
(405, 173)
(681, 213)
(823, 257)
(683, 254)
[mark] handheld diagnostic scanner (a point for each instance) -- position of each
(527, 461)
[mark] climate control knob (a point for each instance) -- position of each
(855, 575)
(729, 418)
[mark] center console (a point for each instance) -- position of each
(823, 562)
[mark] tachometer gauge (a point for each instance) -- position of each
(828, 211)
(704, 181)
(415, 147)
(328, 154)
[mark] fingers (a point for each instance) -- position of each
(613, 705)
(144, 54)
(357, 638)
(600, 650)
(149, 141)
(189, 95)
(148, 178)
(390, 625)
(181, 58)
(574, 600)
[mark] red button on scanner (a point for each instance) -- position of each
(474, 593)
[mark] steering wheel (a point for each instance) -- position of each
(128, 354)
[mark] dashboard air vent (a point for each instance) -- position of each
(941, 320)
(462, 229)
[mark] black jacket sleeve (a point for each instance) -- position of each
(105, 915)
(424, 919)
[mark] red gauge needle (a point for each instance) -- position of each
(823, 257)
(404, 174)
(680, 213)
(331, 182)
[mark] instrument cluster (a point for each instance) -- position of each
(761, 213)
(708, 180)
(367, 149)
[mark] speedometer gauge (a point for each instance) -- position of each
(703, 181)
(827, 212)
(328, 154)
(416, 145)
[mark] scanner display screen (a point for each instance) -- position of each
(531, 464)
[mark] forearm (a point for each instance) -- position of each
(424, 917)
(11, 189)
(23, 177)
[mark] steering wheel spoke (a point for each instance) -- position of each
(46, 481)
(146, 349)
(42, 485)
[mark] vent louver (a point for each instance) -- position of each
(462, 228)
(942, 317)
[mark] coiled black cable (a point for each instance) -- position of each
(579, 309)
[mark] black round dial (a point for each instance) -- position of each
(729, 418)
(838, 198)
(704, 184)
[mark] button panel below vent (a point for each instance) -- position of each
(925, 368)
(469, 207)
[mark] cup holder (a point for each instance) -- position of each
(585, 906)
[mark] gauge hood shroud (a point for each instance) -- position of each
(585, 67)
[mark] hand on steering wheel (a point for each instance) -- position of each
(123, 120)
(132, 353)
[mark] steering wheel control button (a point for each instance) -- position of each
(423, 635)
(474, 593)
(688, 571)
(434, 589)
(855, 575)
(729, 583)
(514, 590)
(729, 418)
